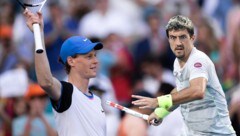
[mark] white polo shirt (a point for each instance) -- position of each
(77, 114)
(208, 116)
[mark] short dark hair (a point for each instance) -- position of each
(66, 65)
(180, 22)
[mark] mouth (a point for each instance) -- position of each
(179, 49)
(94, 68)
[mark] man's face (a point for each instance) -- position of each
(181, 43)
(86, 65)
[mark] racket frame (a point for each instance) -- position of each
(36, 27)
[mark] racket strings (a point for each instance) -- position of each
(34, 5)
(33, 2)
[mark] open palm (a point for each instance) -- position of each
(145, 102)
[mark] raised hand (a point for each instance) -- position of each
(145, 102)
(32, 18)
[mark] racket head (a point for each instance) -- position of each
(32, 5)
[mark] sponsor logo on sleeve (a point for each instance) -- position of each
(197, 65)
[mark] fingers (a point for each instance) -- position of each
(39, 14)
(151, 121)
(145, 107)
(139, 103)
(138, 97)
(25, 11)
(143, 104)
(29, 15)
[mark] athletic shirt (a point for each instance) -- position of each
(77, 114)
(208, 116)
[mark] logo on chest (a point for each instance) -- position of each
(197, 65)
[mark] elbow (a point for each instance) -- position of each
(45, 84)
(199, 94)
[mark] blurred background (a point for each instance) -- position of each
(136, 58)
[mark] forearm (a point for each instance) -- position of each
(185, 95)
(174, 90)
(173, 100)
(44, 75)
(168, 103)
(42, 68)
(195, 91)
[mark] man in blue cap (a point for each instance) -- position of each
(77, 111)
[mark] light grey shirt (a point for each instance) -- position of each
(208, 116)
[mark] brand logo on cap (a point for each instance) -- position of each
(85, 39)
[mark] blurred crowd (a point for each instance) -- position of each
(136, 58)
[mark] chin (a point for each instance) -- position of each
(93, 75)
(180, 56)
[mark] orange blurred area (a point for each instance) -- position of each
(5, 32)
(34, 90)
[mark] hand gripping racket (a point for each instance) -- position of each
(129, 111)
(34, 5)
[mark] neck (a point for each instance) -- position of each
(78, 81)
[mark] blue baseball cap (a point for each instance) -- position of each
(77, 45)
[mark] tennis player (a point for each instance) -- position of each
(77, 111)
(198, 91)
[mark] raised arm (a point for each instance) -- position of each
(44, 76)
(166, 103)
(195, 91)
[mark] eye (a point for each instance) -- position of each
(182, 37)
(172, 37)
(89, 56)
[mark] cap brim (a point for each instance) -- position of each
(89, 48)
(98, 46)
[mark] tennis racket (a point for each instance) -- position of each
(129, 111)
(34, 6)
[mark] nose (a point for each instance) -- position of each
(178, 41)
(95, 60)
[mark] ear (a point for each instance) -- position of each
(70, 60)
(193, 37)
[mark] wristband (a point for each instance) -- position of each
(165, 101)
(161, 112)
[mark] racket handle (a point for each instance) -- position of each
(37, 38)
(145, 117)
(155, 121)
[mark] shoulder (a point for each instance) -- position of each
(65, 100)
(199, 56)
